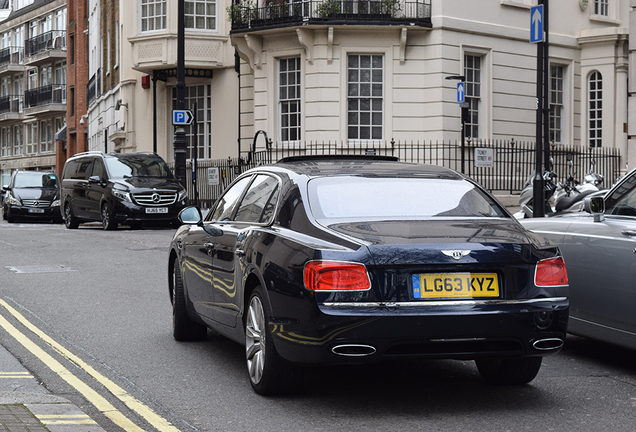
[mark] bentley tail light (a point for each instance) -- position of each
(336, 276)
(551, 272)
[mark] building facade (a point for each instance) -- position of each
(32, 83)
(358, 70)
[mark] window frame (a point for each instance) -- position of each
(281, 128)
(554, 103)
(595, 77)
(383, 99)
(205, 15)
(141, 19)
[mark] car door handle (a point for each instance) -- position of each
(239, 252)
(209, 248)
(630, 233)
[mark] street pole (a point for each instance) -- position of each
(180, 143)
(463, 113)
(538, 197)
(546, 89)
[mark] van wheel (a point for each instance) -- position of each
(69, 220)
(108, 218)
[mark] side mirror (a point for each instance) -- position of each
(596, 207)
(191, 216)
(94, 179)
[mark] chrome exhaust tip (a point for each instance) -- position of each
(353, 350)
(549, 344)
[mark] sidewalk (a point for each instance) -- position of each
(27, 406)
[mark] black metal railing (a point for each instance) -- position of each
(11, 104)
(11, 55)
(512, 162)
(94, 87)
(49, 94)
(380, 12)
(51, 40)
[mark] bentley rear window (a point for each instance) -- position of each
(397, 198)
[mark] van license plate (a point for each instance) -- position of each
(36, 210)
(156, 209)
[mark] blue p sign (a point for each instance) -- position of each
(182, 117)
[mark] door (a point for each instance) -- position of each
(96, 190)
(201, 249)
(228, 262)
(601, 261)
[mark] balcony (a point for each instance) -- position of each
(11, 60)
(330, 12)
(49, 99)
(45, 48)
(11, 107)
(94, 87)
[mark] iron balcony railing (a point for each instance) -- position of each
(11, 104)
(11, 55)
(247, 16)
(94, 87)
(49, 94)
(51, 40)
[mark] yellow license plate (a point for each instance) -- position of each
(455, 285)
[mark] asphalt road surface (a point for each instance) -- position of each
(97, 303)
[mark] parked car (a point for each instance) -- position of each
(32, 195)
(327, 260)
(120, 188)
(599, 247)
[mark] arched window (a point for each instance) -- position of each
(595, 109)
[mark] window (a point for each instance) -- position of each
(200, 14)
(22, 3)
(60, 19)
(226, 204)
(365, 92)
(595, 111)
(5, 141)
(601, 7)
(472, 95)
(31, 137)
(623, 200)
(6, 40)
(45, 76)
(18, 140)
(556, 103)
(71, 53)
(46, 136)
(153, 15)
(199, 94)
(108, 61)
(116, 43)
(256, 200)
(289, 98)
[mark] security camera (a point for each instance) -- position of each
(82, 121)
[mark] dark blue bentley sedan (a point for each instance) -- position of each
(328, 260)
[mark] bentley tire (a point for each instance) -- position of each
(268, 373)
(183, 327)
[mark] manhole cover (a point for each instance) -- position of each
(40, 269)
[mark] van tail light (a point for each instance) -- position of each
(551, 272)
(336, 276)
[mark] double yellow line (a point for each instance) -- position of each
(91, 395)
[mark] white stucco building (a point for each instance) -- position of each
(352, 70)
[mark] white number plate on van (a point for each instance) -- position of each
(156, 209)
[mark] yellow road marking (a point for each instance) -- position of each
(98, 401)
(15, 375)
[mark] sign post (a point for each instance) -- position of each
(461, 96)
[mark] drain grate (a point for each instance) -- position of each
(40, 269)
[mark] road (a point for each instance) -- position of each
(97, 303)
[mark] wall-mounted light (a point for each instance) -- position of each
(120, 104)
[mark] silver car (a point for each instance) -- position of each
(599, 247)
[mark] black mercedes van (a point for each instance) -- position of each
(120, 188)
